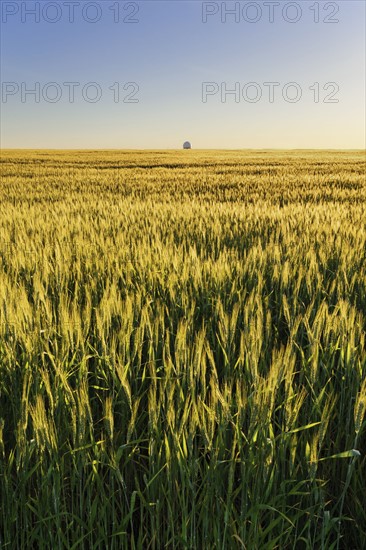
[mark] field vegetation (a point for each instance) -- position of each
(182, 350)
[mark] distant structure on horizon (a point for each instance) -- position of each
(187, 145)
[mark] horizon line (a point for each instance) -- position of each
(181, 149)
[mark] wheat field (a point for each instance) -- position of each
(182, 350)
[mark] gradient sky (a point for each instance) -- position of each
(169, 52)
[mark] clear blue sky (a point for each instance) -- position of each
(169, 52)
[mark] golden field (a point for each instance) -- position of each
(182, 350)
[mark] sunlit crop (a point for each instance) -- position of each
(182, 350)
